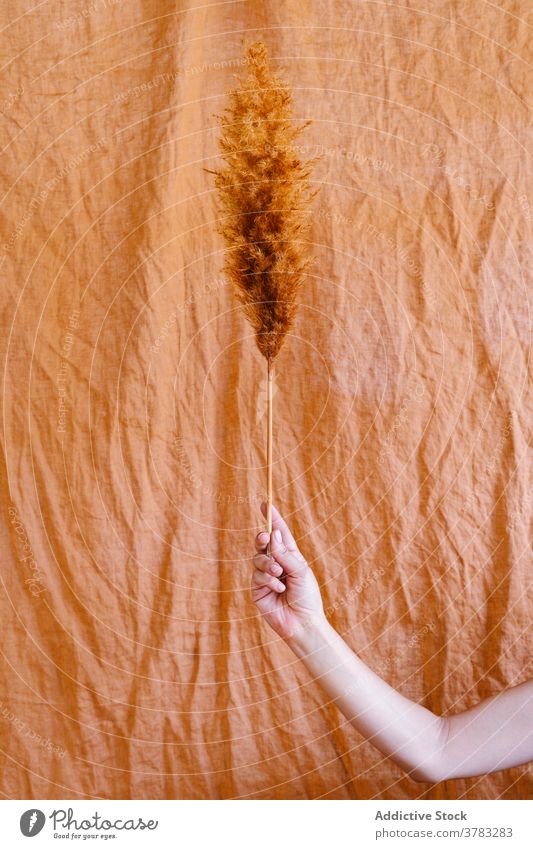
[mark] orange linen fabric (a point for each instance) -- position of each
(134, 664)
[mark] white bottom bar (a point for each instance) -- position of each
(268, 824)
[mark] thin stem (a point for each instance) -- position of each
(270, 375)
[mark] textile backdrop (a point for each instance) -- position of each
(134, 663)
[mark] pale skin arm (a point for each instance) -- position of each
(495, 734)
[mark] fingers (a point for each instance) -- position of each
(261, 541)
(261, 579)
(279, 523)
(292, 565)
(266, 564)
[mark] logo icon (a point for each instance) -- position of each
(32, 822)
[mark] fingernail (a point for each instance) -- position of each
(276, 570)
(281, 587)
(277, 535)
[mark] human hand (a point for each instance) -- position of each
(290, 604)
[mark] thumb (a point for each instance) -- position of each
(292, 565)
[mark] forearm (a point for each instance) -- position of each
(401, 729)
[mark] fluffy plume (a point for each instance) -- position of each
(264, 195)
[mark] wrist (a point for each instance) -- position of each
(309, 636)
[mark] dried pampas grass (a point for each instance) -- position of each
(264, 195)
